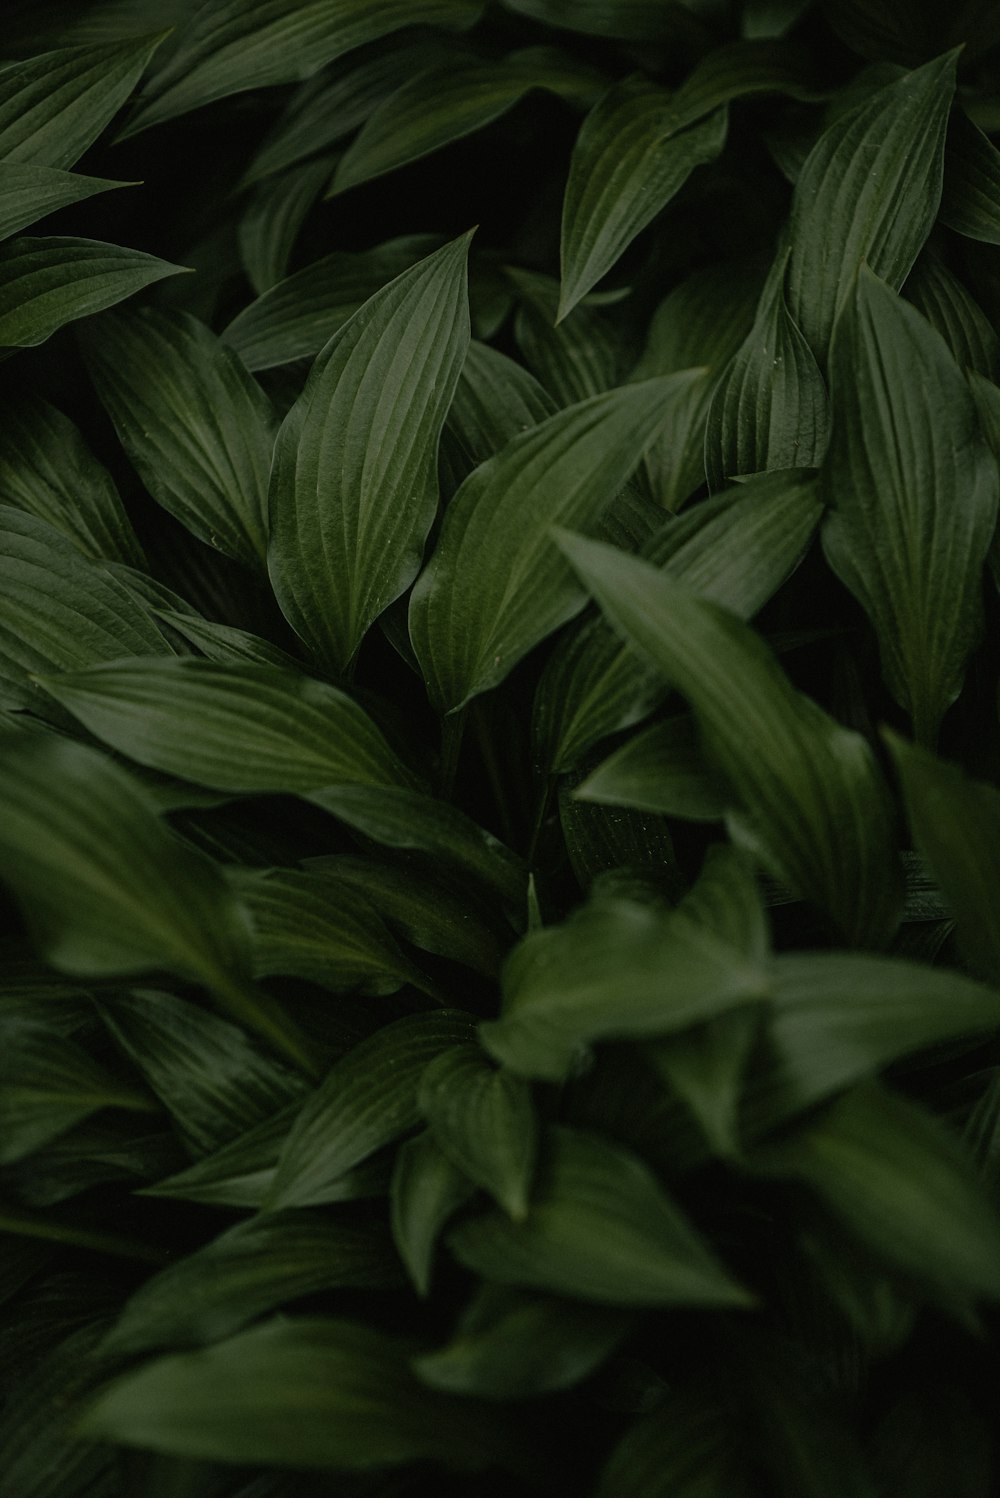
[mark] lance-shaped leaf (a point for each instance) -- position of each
(308, 1392)
(585, 354)
(913, 493)
(107, 890)
(451, 100)
(496, 585)
(600, 1228)
(629, 160)
(309, 925)
(249, 44)
(621, 968)
(368, 1098)
(495, 398)
(240, 1173)
(742, 70)
(770, 408)
(812, 801)
(868, 191)
(512, 1344)
(427, 1189)
(53, 106)
(354, 483)
(58, 610)
(735, 549)
(234, 728)
(254, 1267)
(29, 192)
(661, 770)
(623, 20)
(296, 318)
(943, 299)
(46, 283)
(47, 469)
(970, 201)
(687, 1448)
(197, 428)
(956, 825)
(484, 1121)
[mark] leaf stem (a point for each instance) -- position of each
(540, 813)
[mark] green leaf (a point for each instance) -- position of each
(214, 1083)
(686, 1449)
(495, 399)
(47, 469)
(913, 493)
(511, 1344)
(311, 1392)
(427, 1189)
(46, 283)
(631, 157)
(868, 192)
(368, 1099)
(600, 1229)
(948, 307)
(58, 610)
(234, 728)
(239, 1174)
(901, 1186)
(956, 825)
(224, 644)
(743, 70)
(584, 355)
(254, 1267)
(970, 202)
(484, 1121)
(620, 968)
(814, 805)
(623, 20)
(706, 1067)
(452, 99)
(296, 318)
(28, 193)
(196, 427)
(354, 483)
(106, 890)
(661, 770)
(54, 106)
(313, 926)
(237, 45)
(770, 408)
(495, 585)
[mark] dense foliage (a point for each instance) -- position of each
(478, 1014)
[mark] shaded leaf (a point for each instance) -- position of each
(271, 222)
(495, 399)
(685, 1449)
(948, 307)
(706, 1067)
(661, 770)
(239, 1174)
(427, 1189)
(970, 202)
(624, 20)
(29, 192)
(585, 354)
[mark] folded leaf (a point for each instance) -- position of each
(198, 430)
(868, 192)
(970, 202)
(913, 493)
(354, 484)
(427, 1189)
(29, 192)
(368, 1099)
(496, 585)
(815, 806)
(600, 1229)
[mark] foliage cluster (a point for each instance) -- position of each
(499, 755)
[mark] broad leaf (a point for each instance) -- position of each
(250, 44)
(496, 585)
(970, 202)
(660, 770)
(427, 1189)
(494, 400)
(252, 1268)
(53, 106)
(484, 1121)
(600, 1229)
(912, 489)
(812, 801)
(706, 1066)
(235, 728)
(630, 158)
(868, 192)
(29, 192)
(354, 483)
(582, 354)
(368, 1099)
(195, 425)
(46, 283)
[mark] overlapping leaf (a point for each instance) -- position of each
(29, 192)
(427, 1189)
(970, 202)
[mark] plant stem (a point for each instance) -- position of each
(539, 822)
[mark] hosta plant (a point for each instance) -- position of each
(499, 750)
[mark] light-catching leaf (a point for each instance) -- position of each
(496, 585)
(600, 1229)
(912, 489)
(198, 430)
(661, 770)
(354, 484)
(813, 804)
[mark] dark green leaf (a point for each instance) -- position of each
(686, 1449)
(28, 193)
(706, 1067)
(949, 307)
(354, 484)
(484, 1121)
(368, 1098)
(913, 493)
(585, 354)
(600, 1229)
(494, 400)
(814, 805)
(970, 202)
(46, 283)
(271, 222)
(661, 770)
(426, 1191)
(197, 428)
(239, 1174)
